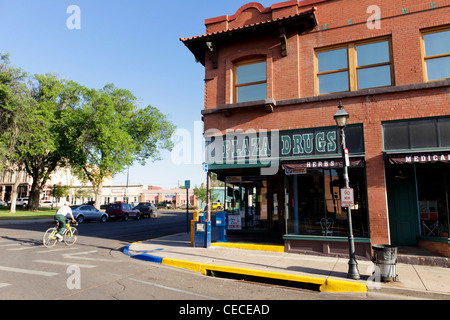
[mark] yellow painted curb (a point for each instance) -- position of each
(250, 246)
(326, 285)
(334, 285)
(194, 266)
(263, 274)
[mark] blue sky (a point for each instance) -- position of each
(133, 44)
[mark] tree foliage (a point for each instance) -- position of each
(48, 122)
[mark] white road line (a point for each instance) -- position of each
(2, 285)
(65, 263)
(173, 289)
(69, 256)
(78, 253)
(10, 245)
(27, 271)
(23, 248)
(56, 250)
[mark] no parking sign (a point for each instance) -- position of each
(347, 199)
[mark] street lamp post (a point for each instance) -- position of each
(341, 118)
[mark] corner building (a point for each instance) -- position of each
(274, 77)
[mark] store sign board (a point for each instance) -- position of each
(258, 147)
(234, 222)
(419, 158)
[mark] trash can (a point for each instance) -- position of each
(385, 258)
(221, 224)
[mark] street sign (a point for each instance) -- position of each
(187, 184)
(347, 199)
(205, 167)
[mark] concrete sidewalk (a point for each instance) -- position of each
(327, 274)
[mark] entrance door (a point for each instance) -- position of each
(402, 202)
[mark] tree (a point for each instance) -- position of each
(14, 104)
(108, 133)
(43, 146)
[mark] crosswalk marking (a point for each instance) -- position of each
(10, 244)
(23, 248)
(79, 253)
(65, 263)
(27, 271)
(70, 256)
(56, 250)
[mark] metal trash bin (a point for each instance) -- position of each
(385, 258)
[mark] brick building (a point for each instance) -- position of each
(274, 77)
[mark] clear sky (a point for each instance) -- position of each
(133, 44)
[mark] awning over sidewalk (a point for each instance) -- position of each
(291, 166)
(423, 157)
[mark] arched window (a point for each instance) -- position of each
(250, 80)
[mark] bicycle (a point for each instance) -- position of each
(70, 235)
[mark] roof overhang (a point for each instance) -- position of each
(300, 22)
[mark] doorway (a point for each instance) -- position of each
(402, 202)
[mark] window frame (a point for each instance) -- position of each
(245, 62)
(352, 64)
(426, 58)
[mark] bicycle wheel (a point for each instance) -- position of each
(49, 239)
(70, 236)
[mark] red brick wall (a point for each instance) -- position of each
(292, 77)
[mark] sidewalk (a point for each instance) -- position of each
(327, 274)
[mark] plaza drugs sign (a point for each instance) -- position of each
(252, 147)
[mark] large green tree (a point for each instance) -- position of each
(14, 105)
(109, 132)
(43, 146)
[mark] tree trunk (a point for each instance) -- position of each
(33, 203)
(19, 176)
(98, 195)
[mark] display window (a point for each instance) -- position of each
(314, 206)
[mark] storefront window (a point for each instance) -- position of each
(315, 206)
(433, 187)
(247, 204)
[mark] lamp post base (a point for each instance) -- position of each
(353, 272)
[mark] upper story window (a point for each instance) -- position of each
(250, 81)
(436, 46)
(354, 66)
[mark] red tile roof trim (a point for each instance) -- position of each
(312, 10)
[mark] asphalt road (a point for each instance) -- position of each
(95, 268)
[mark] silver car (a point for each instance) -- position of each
(87, 212)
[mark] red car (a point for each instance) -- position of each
(122, 210)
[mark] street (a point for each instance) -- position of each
(96, 269)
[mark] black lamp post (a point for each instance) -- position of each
(341, 118)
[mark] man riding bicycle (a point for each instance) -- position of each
(60, 217)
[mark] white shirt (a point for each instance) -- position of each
(64, 211)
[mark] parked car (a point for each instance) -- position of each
(183, 206)
(165, 205)
(122, 210)
(20, 202)
(147, 209)
(47, 204)
(86, 212)
(217, 206)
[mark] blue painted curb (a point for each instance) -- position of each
(142, 256)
